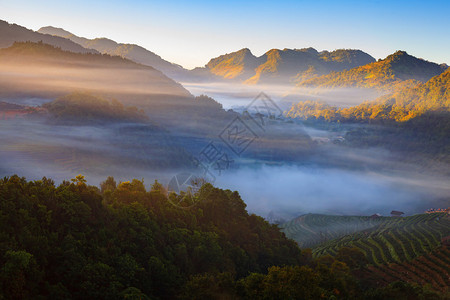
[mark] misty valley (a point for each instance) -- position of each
(296, 174)
(306, 169)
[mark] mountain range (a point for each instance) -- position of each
(383, 74)
(284, 66)
(133, 52)
(305, 67)
(275, 66)
(42, 70)
(400, 81)
(10, 33)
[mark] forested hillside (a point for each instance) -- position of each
(402, 105)
(386, 74)
(77, 241)
(120, 241)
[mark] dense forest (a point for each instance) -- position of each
(120, 241)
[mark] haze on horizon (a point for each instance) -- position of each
(191, 33)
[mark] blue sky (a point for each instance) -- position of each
(191, 32)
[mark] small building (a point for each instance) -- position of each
(375, 216)
(396, 213)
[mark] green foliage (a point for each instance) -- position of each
(210, 286)
(323, 281)
(354, 258)
(69, 240)
(18, 274)
(108, 185)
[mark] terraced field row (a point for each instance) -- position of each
(313, 229)
(395, 240)
(432, 268)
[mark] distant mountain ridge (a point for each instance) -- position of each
(305, 67)
(382, 74)
(133, 52)
(284, 66)
(78, 71)
(10, 33)
(236, 65)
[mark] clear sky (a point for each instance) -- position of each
(191, 32)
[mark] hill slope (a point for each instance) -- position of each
(410, 102)
(76, 241)
(39, 69)
(10, 33)
(432, 268)
(395, 239)
(133, 52)
(402, 105)
(236, 65)
(312, 229)
(383, 74)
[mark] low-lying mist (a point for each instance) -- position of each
(290, 191)
(55, 79)
(320, 183)
(235, 95)
(288, 170)
(35, 148)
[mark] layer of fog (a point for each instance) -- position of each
(26, 101)
(321, 184)
(36, 148)
(234, 95)
(340, 97)
(333, 179)
(49, 77)
(290, 191)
